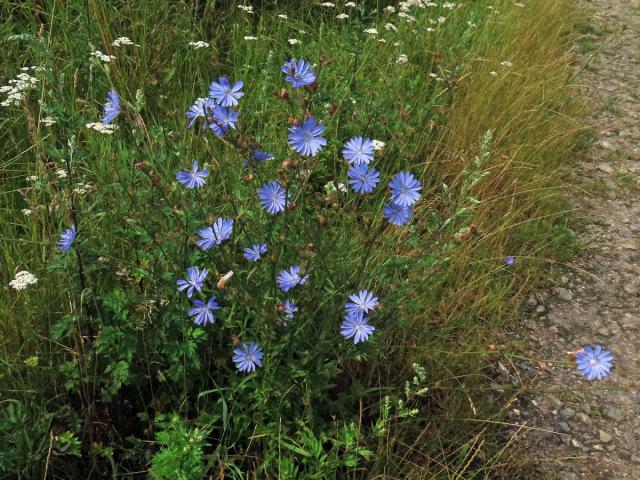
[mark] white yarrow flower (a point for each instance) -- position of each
(402, 59)
(199, 44)
(22, 280)
(101, 127)
(378, 145)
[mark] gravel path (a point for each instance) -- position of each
(572, 428)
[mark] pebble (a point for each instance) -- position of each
(564, 426)
(604, 436)
(564, 293)
(567, 413)
(614, 413)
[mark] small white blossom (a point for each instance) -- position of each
(493, 73)
(246, 8)
(123, 41)
(282, 16)
(342, 16)
(407, 17)
(26, 212)
(332, 187)
(506, 63)
(103, 57)
(83, 188)
(48, 121)
(101, 127)
(371, 31)
(199, 44)
(350, 4)
(61, 173)
(441, 20)
(250, 38)
(449, 5)
(17, 87)
(32, 178)
(327, 4)
(382, 40)
(22, 280)
(402, 59)
(389, 9)
(378, 145)
(429, 29)
(293, 41)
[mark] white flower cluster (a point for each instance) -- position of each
(293, 41)
(16, 89)
(327, 4)
(84, 188)
(402, 59)
(101, 127)
(199, 44)
(123, 41)
(342, 16)
(371, 31)
(47, 121)
(332, 187)
(61, 173)
(250, 38)
(103, 57)
(23, 280)
(283, 16)
(26, 212)
(246, 8)
(378, 145)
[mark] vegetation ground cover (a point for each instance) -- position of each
(105, 373)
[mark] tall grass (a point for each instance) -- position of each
(480, 112)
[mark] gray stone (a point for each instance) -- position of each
(564, 294)
(614, 413)
(564, 426)
(567, 413)
(604, 436)
(605, 167)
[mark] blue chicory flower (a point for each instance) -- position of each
(223, 119)
(362, 178)
(273, 197)
(405, 189)
(362, 302)
(202, 108)
(594, 363)
(195, 279)
(255, 252)
(67, 238)
(224, 93)
(356, 326)
(396, 214)
(299, 73)
(358, 151)
(112, 107)
(193, 178)
(289, 308)
(510, 260)
(288, 279)
(215, 234)
(306, 139)
(203, 312)
(247, 357)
